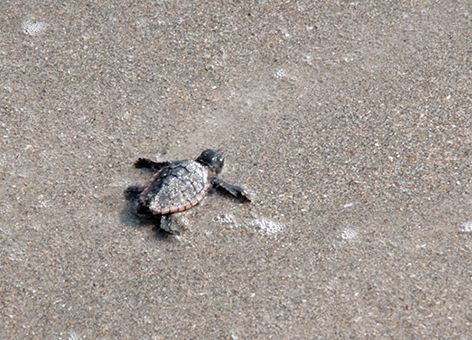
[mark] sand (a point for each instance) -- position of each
(350, 123)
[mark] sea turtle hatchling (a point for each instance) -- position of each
(180, 185)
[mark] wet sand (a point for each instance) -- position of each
(349, 122)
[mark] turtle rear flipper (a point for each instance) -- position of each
(231, 189)
(144, 163)
(166, 225)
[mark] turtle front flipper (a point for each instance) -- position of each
(166, 225)
(231, 189)
(144, 163)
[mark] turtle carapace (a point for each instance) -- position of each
(180, 185)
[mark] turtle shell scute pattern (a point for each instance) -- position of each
(177, 187)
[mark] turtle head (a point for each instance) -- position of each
(213, 159)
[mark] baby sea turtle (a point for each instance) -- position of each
(180, 185)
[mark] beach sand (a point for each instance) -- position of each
(349, 122)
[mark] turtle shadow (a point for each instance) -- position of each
(129, 217)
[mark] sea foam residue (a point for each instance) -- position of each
(33, 27)
(266, 226)
(259, 224)
(226, 219)
(349, 233)
(466, 227)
